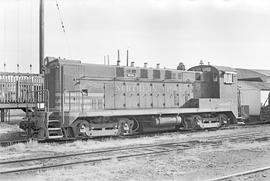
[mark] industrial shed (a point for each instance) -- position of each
(253, 75)
(254, 87)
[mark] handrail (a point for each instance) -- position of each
(44, 96)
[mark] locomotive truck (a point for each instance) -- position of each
(91, 100)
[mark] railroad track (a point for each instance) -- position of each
(8, 143)
(241, 174)
(93, 156)
(12, 142)
(41, 163)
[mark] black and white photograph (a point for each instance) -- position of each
(135, 90)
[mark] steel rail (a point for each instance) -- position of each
(175, 147)
(12, 142)
(249, 172)
(148, 152)
(132, 147)
(194, 141)
(87, 153)
(8, 143)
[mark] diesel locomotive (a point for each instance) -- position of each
(91, 100)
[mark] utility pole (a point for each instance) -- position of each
(41, 36)
(127, 57)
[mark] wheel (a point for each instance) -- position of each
(81, 128)
(135, 125)
(223, 120)
(125, 126)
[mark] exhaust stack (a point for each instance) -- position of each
(118, 58)
(145, 65)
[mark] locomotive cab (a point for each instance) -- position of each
(217, 89)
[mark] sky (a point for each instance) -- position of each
(233, 33)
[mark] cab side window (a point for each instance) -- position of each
(228, 78)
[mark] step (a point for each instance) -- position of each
(55, 137)
(55, 133)
(53, 124)
(54, 129)
(53, 120)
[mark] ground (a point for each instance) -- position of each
(11, 131)
(10, 128)
(199, 163)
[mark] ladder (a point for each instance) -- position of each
(54, 130)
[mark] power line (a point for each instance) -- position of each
(60, 16)
(3, 43)
(31, 31)
(63, 27)
(18, 27)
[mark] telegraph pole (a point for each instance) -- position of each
(127, 57)
(41, 36)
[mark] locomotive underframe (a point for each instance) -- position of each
(136, 124)
(46, 125)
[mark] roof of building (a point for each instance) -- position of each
(225, 69)
(264, 72)
(254, 85)
(253, 75)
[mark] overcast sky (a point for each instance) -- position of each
(232, 33)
